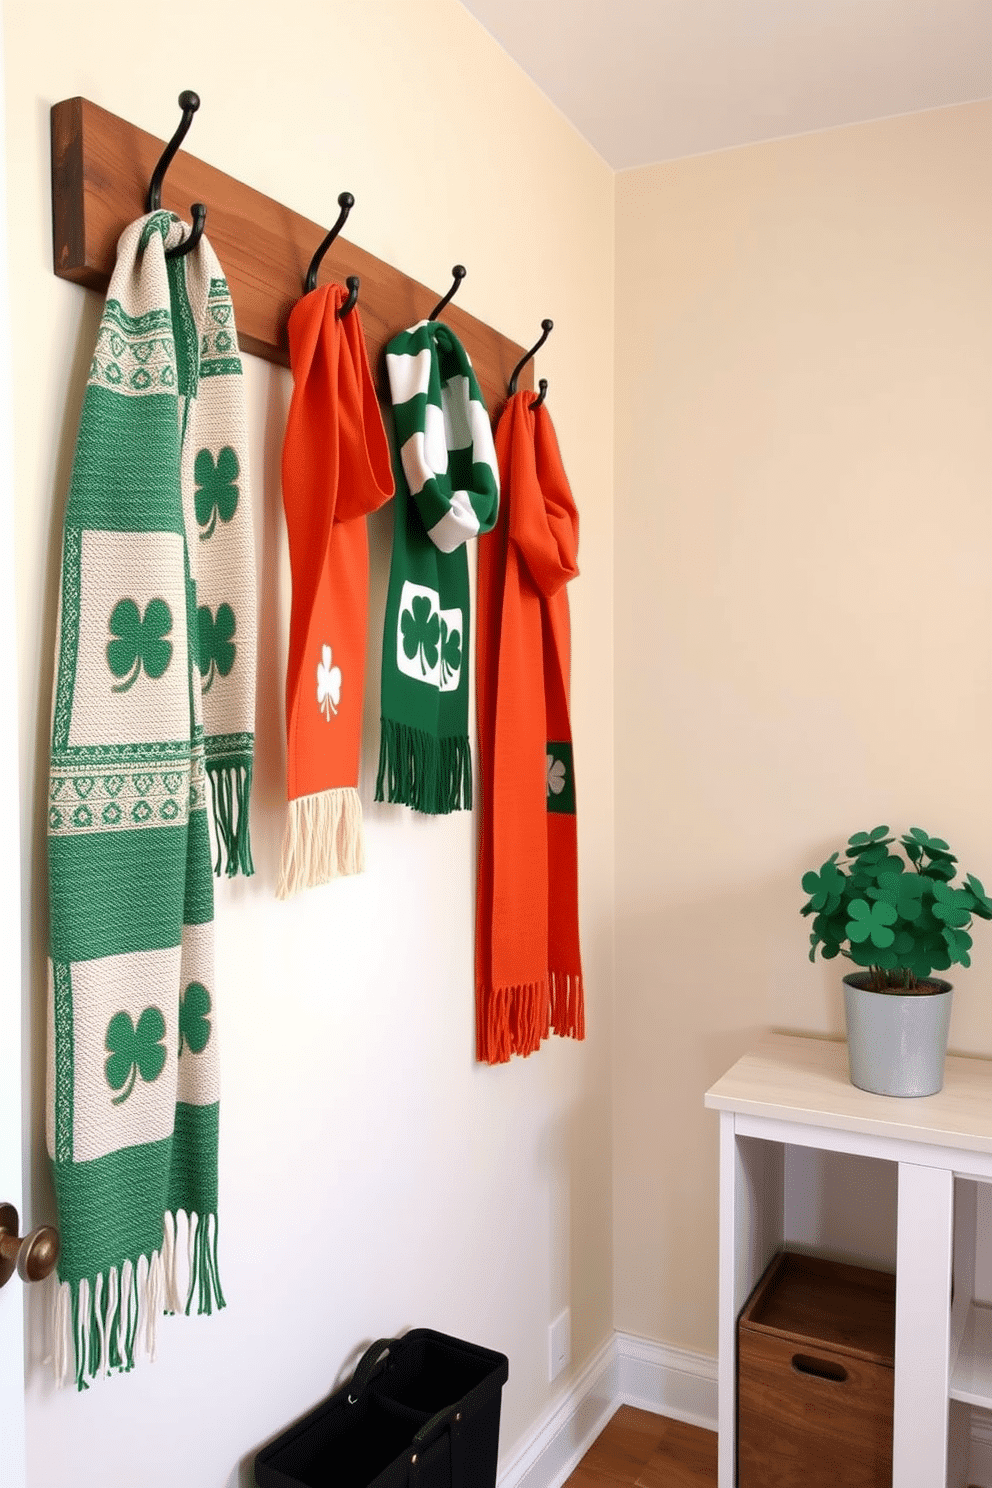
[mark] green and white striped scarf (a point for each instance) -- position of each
(447, 490)
(154, 691)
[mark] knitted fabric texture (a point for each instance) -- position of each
(447, 490)
(156, 630)
(527, 959)
(335, 470)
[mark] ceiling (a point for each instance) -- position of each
(650, 80)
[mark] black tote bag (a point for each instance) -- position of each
(421, 1411)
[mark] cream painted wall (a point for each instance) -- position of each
(373, 1177)
(804, 611)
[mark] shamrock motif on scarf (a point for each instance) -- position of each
(194, 1025)
(134, 1050)
(328, 684)
(139, 641)
(421, 630)
(216, 492)
(217, 650)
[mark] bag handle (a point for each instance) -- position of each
(448, 1420)
(368, 1366)
(442, 1420)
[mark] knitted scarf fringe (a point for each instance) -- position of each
(100, 1325)
(431, 775)
(230, 788)
(517, 1019)
(324, 839)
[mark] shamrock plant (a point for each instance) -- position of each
(896, 913)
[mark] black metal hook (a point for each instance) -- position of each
(547, 326)
(345, 201)
(354, 285)
(459, 271)
(189, 102)
(543, 385)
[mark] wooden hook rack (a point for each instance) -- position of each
(101, 166)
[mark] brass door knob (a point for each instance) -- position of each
(34, 1257)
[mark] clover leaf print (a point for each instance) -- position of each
(451, 651)
(134, 1051)
(138, 641)
(556, 775)
(216, 491)
(328, 684)
(194, 1025)
(421, 630)
(217, 650)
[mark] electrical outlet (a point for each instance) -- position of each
(559, 1344)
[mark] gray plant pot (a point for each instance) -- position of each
(897, 1042)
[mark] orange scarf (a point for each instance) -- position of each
(528, 970)
(335, 469)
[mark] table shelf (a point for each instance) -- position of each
(792, 1094)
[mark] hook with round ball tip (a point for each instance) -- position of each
(189, 102)
(458, 274)
(345, 201)
(354, 285)
(547, 326)
(543, 393)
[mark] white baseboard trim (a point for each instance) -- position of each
(567, 1433)
(670, 1381)
(624, 1371)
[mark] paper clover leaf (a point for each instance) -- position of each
(871, 922)
(983, 904)
(904, 891)
(877, 837)
(951, 906)
(826, 886)
(958, 944)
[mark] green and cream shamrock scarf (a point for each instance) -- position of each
(447, 490)
(154, 691)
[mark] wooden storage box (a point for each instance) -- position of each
(816, 1350)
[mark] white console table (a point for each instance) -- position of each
(796, 1092)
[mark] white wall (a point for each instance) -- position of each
(373, 1177)
(804, 607)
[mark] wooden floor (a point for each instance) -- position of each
(641, 1450)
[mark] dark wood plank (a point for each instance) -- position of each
(685, 1458)
(639, 1449)
(626, 1444)
(101, 166)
